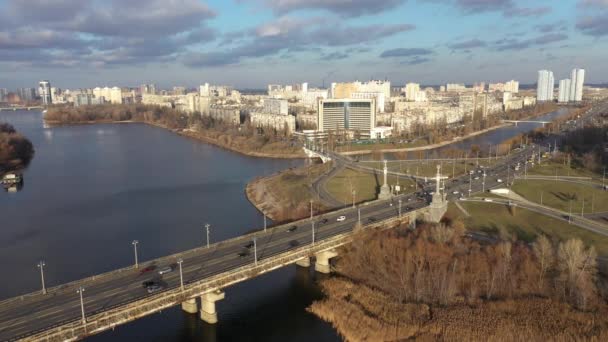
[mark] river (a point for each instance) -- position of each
(92, 189)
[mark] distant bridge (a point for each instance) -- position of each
(525, 121)
(21, 108)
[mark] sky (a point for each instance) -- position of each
(251, 43)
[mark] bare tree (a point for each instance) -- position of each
(545, 255)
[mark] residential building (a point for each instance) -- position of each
(493, 87)
(346, 114)
(455, 87)
(44, 90)
(27, 94)
(312, 96)
(3, 94)
(147, 89)
(276, 106)
(345, 90)
(564, 91)
(278, 122)
(512, 86)
(545, 86)
(378, 96)
(204, 90)
(577, 81)
(479, 87)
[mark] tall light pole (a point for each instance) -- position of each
(359, 215)
(313, 232)
(181, 275)
(255, 250)
(264, 222)
(400, 207)
(470, 181)
(354, 197)
(583, 208)
(80, 291)
(41, 265)
(541, 198)
(207, 225)
(526, 169)
(134, 243)
(311, 210)
(483, 182)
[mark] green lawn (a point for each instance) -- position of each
(366, 185)
(558, 195)
(527, 225)
(551, 168)
(380, 146)
(426, 168)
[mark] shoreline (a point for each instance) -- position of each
(187, 134)
(445, 143)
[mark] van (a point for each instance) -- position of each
(165, 270)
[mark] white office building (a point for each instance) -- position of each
(564, 91)
(577, 81)
(346, 114)
(44, 90)
(545, 86)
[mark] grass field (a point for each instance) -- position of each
(551, 168)
(366, 185)
(428, 168)
(558, 195)
(527, 225)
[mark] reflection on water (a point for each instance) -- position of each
(92, 189)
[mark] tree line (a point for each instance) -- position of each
(440, 265)
(16, 151)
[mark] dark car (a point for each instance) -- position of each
(243, 254)
(372, 219)
(292, 229)
(294, 243)
(148, 283)
(324, 220)
(153, 288)
(147, 269)
(249, 244)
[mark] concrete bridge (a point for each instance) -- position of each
(21, 108)
(317, 154)
(88, 306)
(525, 121)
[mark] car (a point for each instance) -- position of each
(148, 283)
(165, 270)
(455, 192)
(499, 180)
(488, 200)
(243, 254)
(147, 269)
(294, 243)
(408, 208)
(154, 288)
(292, 229)
(372, 219)
(476, 178)
(471, 172)
(341, 218)
(249, 244)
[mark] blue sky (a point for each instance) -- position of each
(249, 43)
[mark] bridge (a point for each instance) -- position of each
(525, 121)
(21, 108)
(88, 306)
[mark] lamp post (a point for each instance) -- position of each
(400, 207)
(264, 222)
(255, 250)
(41, 265)
(134, 243)
(80, 292)
(311, 210)
(483, 182)
(359, 216)
(354, 197)
(313, 232)
(207, 225)
(181, 275)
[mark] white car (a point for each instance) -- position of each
(341, 218)
(488, 199)
(455, 192)
(476, 178)
(499, 180)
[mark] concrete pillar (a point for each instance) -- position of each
(208, 313)
(303, 262)
(190, 306)
(322, 263)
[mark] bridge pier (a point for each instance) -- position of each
(208, 312)
(303, 262)
(190, 306)
(322, 264)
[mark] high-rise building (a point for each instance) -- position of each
(512, 86)
(26, 94)
(577, 81)
(545, 86)
(276, 106)
(411, 90)
(346, 114)
(44, 90)
(3, 94)
(564, 91)
(204, 90)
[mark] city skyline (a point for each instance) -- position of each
(250, 43)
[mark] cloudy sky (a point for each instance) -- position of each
(249, 43)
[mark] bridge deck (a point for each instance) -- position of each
(109, 295)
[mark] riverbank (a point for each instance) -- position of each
(242, 139)
(16, 151)
(436, 283)
(286, 195)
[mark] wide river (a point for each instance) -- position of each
(90, 190)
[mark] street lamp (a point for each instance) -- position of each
(134, 243)
(359, 215)
(354, 197)
(264, 222)
(311, 210)
(80, 291)
(255, 250)
(400, 207)
(41, 265)
(483, 183)
(181, 275)
(313, 232)
(207, 225)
